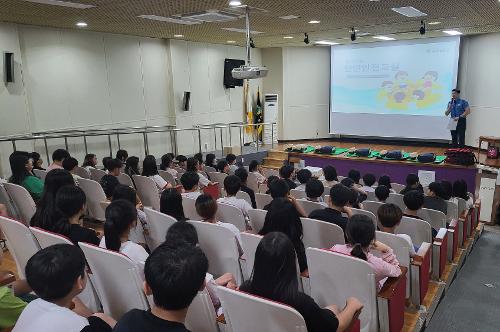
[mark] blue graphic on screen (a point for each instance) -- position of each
(407, 79)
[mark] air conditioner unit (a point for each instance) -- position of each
(271, 110)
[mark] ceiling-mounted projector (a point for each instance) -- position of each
(249, 72)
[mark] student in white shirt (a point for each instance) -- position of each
(222, 167)
(206, 207)
(166, 165)
(256, 169)
(194, 165)
(330, 174)
(389, 217)
(314, 191)
(231, 160)
(303, 175)
(121, 217)
(385, 180)
(181, 161)
(90, 161)
(369, 180)
(189, 181)
(232, 185)
(56, 275)
(150, 170)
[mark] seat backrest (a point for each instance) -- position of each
(95, 195)
(20, 241)
(370, 195)
(249, 243)
(248, 313)
(125, 179)
(189, 207)
(269, 171)
(209, 169)
(231, 214)
(243, 195)
(117, 280)
(96, 174)
(158, 224)
(47, 239)
(321, 234)
(220, 246)
(167, 177)
(40, 173)
(217, 177)
(437, 219)
(397, 187)
(213, 189)
(309, 206)
(81, 172)
(369, 214)
(22, 199)
(147, 191)
(201, 314)
(6, 200)
(462, 205)
(335, 277)
(252, 182)
(298, 194)
(262, 200)
(397, 199)
(372, 206)
(326, 191)
(419, 230)
(263, 188)
(452, 210)
(257, 219)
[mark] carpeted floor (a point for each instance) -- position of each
(473, 301)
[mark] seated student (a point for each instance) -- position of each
(122, 155)
(270, 180)
(303, 175)
(330, 174)
(385, 180)
(21, 167)
(46, 212)
(183, 233)
(71, 204)
(243, 175)
(105, 162)
(114, 167)
(210, 160)
(286, 173)
(447, 190)
(121, 217)
(282, 216)
(412, 183)
(166, 165)
(181, 161)
(174, 275)
(222, 166)
(414, 201)
(58, 157)
(355, 176)
(256, 169)
(171, 204)
(337, 204)
(314, 191)
(274, 277)
(382, 193)
(189, 181)
(199, 156)
(389, 217)
(150, 170)
(232, 185)
(90, 161)
(369, 180)
(434, 199)
(56, 275)
(108, 183)
(460, 191)
(194, 165)
(231, 160)
(36, 160)
(132, 166)
(70, 165)
(206, 207)
(349, 183)
(356, 199)
(360, 234)
(138, 233)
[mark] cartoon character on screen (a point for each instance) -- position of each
(427, 90)
(385, 92)
(402, 91)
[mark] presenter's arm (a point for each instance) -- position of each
(448, 109)
(466, 113)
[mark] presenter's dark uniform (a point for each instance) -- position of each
(458, 107)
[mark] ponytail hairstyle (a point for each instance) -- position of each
(120, 216)
(360, 232)
(70, 200)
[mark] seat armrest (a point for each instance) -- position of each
(6, 278)
(420, 274)
(453, 239)
(391, 284)
(391, 303)
(439, 253)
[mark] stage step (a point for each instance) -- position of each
(273, 162)
(276, 154)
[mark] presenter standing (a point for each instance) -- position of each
(459, 109)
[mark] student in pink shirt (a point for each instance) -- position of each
(360, 232)
(58, 157)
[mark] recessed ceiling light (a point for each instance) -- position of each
(178, 36)
(231, 41)
(434, 23)
(452, 32)
(253, 32)
(314, 22)
(409, 11)
(81, 24)
(288, 37)
(234, 3)
(384, 38)
(289, 17)
(62, 3)
(325, 42)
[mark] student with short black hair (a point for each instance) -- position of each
(242, 173)
(232, 184)
(385, 180)
(382, 193)
(105, 162)
(181, 161)
(57, 275)
(166, 165)
(270, 180)
(412, 183)
(58, 157)
(349, 183)
(460, 191)
(447, 190)
(190, 183)
(314, 191)
(210, 160)
(90, 161)
(330, 174)
(286, 173)
(303, 175)
(274, 277)
(194, 165)
(256, 169)
(414, 201)
(37, 160)
(278, 188)
(222, 166)
(434, 199)
(231, 160)
(171, 204)
(108, 183)
(174, 275)
(389, 217)
(360, 234)
(369, 180)
(337, 204)
(122, 155)
(114, 166)
(150, 169)
(141, 230)
(70, 164)
(354, 175)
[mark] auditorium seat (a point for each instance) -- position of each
(96, 174)
(214, 190)
(167, 177)
(201, 315)
(95, 195)
(81, 172)
(189, 207)
(372, 206)
(243, 195)
(462, 204)
(397, 187)
(252, 182)
(40, 173)
(269, 172)
(249, 243)
(231, 214)
(147, 191)
(397, 199)
(326, 191)
(263, 188)
(158, 224)
(6, 200)
(209, 169)
(257, 219)
(370, 215)
(125, 180)
(321, 234)
(309, 206)
(298, 194)
(218, 177)
(23, 201)
(370, 195)
(451, 211)
(453, 239)
(437, 219)
(262, 200)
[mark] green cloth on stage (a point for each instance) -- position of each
(373, 154)
(309, 149)
(438, 160)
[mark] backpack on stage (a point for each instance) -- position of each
(426, 157)
(325, 150)
(465, 157)
(394, 155)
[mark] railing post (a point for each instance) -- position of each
(215, 139)
(221, 141)
(175, 143)
(241, 138)
(110, 147)
(14, 145)
(118, 140)
(146, 144)
(66, 143)
(46, 149)
(171, 141)
(230, 137)
(199, 138)
(85, 144)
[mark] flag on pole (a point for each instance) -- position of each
(259, 115)
(247, 105)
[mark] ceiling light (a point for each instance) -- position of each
(242, 31)
(62, 3)
(409, 11)
(288, 37)
(325, 42)
(289, 17)
(384, 38)
(434, 23)
(81, 24)
(314, 22)
(178, 36)
(181, 20)
(452, 32)
(234, 3)
(231, 41)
